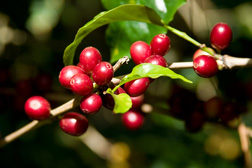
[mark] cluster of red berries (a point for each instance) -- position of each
(91, 69)
(80, 80)
(141, 52)
(204, 64)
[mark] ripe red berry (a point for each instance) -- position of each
(133, 120)
(67, 73)
(200, 52)
(221, 36)
(137, 101)
(82, 67)
(89, 58)
(91, 103)
(137, 87)
(81, 84)
(139, 51)
(102, 73)
(120, 90)
(74, 123)
(205, 66)
(37, 108)
(160, 44)
(156, 60)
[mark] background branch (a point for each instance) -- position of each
(245, 143)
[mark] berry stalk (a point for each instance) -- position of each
(188, 38)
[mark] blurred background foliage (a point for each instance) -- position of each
(33, 36)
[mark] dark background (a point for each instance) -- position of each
(33, 36)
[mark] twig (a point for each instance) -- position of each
(242, 129)
(180, 65)
(235, 62)
(120, 62)
(226, 61)
(36, 124)
(54, 112)
(97, 143)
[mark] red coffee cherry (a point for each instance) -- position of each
(67, 73)
(137, 87)
(91, 104)
(81, 84)
(133, 120)
(120, 90)
(139, 51)
(160, 44)
(82, 67)
(156, 60)
(205, 66)
(137, 101)
(221, 36)
(74, 123)
(89, 58)
(200, 52)
(102, 73)
(37, 108)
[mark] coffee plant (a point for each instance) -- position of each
(115, 104)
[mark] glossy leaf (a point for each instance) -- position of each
(164, 8)
(122, 102)
(121, 35)
(151, 71)
(121, 13)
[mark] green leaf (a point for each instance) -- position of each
(151, 71)
(121, 35)
(164, 8)
(121, 13)
(122, 102)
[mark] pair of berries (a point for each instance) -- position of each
(134, 118)
(38, 108)
(204, 64)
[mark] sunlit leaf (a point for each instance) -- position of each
(122, 102)
(151, 71)
(124, 12)
(121, 35)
